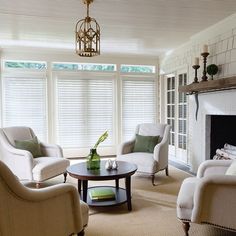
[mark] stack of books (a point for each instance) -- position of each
(101, 194)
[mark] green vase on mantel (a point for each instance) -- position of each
(93, 160)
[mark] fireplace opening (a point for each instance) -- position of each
(223, 130)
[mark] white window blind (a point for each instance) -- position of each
(24, 103)
(138, 104)
(85, 110)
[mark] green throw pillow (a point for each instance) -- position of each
(31, 145)
(145, 143)
(232, 169)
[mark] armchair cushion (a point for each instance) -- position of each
(31, 145)
(145, 143)
(232, 169)
(47, 167)
(143, 160)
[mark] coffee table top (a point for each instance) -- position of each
(80, 171)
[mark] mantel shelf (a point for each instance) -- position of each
(209, 86)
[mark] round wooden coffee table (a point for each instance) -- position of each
(125, 170)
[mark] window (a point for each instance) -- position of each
(138, 104)
(83, 66)
(24, 102)
(137, 69)
(85, 109)
(25, 65)
(83, 100)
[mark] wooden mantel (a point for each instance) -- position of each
(209, 86)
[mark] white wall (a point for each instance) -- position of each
(221, 39)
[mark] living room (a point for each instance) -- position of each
(147, 54)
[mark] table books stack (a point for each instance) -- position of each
(101, 194)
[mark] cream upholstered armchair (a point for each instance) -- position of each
(208, 198)
(22, 163)
(55, 210)
(149, 163)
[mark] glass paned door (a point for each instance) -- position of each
(171, 112)
(177, 117)
(181, 153)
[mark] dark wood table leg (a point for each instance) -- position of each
(85, 190)
(128, 192)
(117, 183)
(79, 187)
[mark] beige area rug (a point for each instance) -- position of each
(153, 214)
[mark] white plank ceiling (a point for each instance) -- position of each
(128, 27)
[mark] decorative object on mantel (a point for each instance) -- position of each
(212, 70)
(205, 54)
(196, 67)
(87, 35)
(93, 159)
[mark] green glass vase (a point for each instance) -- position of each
(93, 160)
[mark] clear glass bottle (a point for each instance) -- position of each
(93, 160)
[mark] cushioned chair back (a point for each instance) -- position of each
(150, 129)
(18, 133)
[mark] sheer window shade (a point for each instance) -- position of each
(24, 103)
(138, 104)
(85, 110)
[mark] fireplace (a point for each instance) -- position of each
(221, 130)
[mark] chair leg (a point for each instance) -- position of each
(186, 227)
(153, 180)
(65, 175)
(167, 171)
(81, 233)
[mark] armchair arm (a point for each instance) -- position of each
(214, 201)
(213, 167)
(51, 150)
(126, 147)
(19, 161)
(161, 149)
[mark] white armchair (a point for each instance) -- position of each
(208, 198)
(55, 210)
(149, 163)
(22, 163)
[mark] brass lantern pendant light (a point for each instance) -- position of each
(87, 35)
